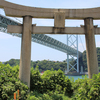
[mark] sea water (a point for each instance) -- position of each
(76, 77)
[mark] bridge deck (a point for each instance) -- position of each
(39, 38)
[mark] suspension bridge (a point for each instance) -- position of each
(44, 40)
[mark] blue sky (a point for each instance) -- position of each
(10, 46)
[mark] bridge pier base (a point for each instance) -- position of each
(25, 59)
(92, 62)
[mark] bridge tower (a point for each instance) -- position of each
(72, 61)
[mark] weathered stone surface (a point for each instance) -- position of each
(92, 62)
(15, 28)
(24, 72)
(97, 31)
(59, 20)
(16, 10)
(47, 30)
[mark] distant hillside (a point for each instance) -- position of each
(84, 59)
(43, 65)
(47, 65)
(13, 62)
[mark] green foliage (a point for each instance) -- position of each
(52, 85)
(84, 59)
(50, 81)
(54, 81)
(13, 62)
(88, 89)
(9, 83)
(49, 96)
(35, 80)
(78, 82)
(43, 65)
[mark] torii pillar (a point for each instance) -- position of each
(92, 61)
(24, 71)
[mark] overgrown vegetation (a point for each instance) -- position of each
(43, 65)
(9, 83)
(52, 85)
(87, 89)
(50, 81)
(83, 59)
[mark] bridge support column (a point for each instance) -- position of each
(24, 72)
(72, 60)
(92, 62)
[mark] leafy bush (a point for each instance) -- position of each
(50, 81)
(54, 81)
(9, 83)
(52, 85)
(57, 81)
(35, 80)
(49, 96)
(89, 89)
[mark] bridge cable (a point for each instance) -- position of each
(82, 43)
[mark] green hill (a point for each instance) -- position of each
(43, 65)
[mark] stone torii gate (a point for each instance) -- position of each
(59, 16)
